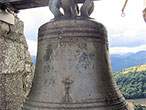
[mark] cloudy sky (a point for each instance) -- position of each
(126, 34)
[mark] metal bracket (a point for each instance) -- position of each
(7, 17)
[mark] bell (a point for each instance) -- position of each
(73, 69)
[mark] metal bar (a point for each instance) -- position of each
(25, 4)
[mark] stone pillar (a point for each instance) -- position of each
(16, 66)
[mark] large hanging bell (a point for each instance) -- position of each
(73, 69)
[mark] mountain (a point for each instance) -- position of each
(132, 82)
(120, 62)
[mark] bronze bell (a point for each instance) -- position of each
(73, 68)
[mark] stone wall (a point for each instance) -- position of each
(16, 66)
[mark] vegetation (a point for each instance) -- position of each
(132, 82)
(139, 107)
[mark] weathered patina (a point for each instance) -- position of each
(73, 69)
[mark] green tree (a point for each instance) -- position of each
(139, 107)
(132, 84)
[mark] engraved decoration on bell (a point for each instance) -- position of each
(67, 85)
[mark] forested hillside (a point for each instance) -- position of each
(132, 82)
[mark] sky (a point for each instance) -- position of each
(126, 34)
